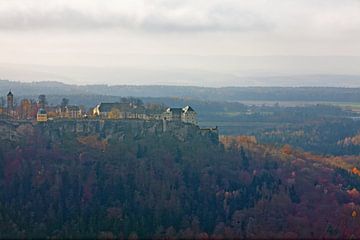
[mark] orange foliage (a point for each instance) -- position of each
(355, 171)
(344, 162)
(286, 149)
(238, 141)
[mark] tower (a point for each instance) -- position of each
(10, 101)
(42, 101)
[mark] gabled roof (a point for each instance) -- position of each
(10, 94)
(174, 110)
(107, 107)
(188, 109)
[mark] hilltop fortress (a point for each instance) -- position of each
(126, 108)
(128, 118)
(129, 110)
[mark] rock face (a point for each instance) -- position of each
(107, 129)
(13, 131)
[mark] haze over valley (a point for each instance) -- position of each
(179, 119)
(187, 70)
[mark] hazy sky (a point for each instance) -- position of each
(139, 34)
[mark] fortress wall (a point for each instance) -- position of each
(117, 129)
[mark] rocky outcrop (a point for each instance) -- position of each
(106, 129)
(13, 131)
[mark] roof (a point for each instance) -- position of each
(41, 111)
(10, 94)
(174, 110)
(72, 108)
(188, 109)
(107, 107)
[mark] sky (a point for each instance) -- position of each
(79, 41)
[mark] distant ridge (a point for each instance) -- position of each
(331, 94)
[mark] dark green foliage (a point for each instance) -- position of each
(293, 195)
(244, 158)
(64, 103)
(321, 137)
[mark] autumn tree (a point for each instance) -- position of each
(114, 113)
(25, 108)
(42, 101)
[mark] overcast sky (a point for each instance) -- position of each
(140, 34)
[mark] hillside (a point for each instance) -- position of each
(160, 185)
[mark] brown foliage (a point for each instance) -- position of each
(286, 149)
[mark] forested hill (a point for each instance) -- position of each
(203, 93)
(161, 186)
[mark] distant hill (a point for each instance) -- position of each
(203, 93)
(204, 71)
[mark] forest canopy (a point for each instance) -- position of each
(160, 186)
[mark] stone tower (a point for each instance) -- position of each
(10, 101)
